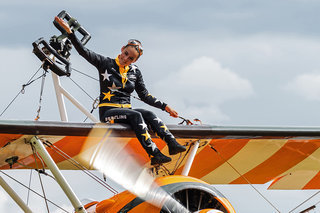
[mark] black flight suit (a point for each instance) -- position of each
(116, 85)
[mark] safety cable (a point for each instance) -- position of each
(85, 74)
(22, 90)
(225, 160)
(79, 166)
(95, 105)
(81, 88)
(34, 191)
(41, 93)
(79, 71)
(35, 159)
(305, 201)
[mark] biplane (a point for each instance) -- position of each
(286, 156)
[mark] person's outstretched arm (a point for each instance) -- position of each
(92, 57)
(146, 97)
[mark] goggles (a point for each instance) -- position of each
(137, 45)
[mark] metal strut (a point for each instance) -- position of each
(14, 196)
(57, 174)
(60, 92)
(189, 162)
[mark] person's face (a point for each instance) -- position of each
(128, 56)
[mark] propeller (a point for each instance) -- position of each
(114, 159)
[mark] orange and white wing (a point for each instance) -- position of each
(289, 157)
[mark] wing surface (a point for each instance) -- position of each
(287, 156)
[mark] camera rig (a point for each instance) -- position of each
(55, 55)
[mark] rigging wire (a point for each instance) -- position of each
(308, 209)
(82, 89)
(41, 93)
(35, 159)
(95, 105)
(95, 101)
(187, 121)
(306, 201)
(176, 165)
(184, 156)
(41, 171)
(225, 160)
(30, 177)
(23, 89)
(85, 74)
(79, 166)
(34, 191)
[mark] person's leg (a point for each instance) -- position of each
(136, 122)
(162, 131)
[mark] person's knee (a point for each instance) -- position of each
(148, 114)
(135, 116)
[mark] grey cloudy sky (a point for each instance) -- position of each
(237, 62)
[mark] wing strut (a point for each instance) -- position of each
(58, 175)
(191, 156)
(14, 196)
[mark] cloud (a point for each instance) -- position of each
(200, 88)
(306, 85)
(3, 201)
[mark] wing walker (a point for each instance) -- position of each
(214, 155)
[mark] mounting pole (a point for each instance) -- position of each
(14, 196)
(60, 92)
(191, 156)
(61, 105)
(57, 174)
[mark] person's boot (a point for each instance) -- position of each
(159, 158)
(175, 147)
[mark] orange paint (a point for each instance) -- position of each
(177, 179)
(293, 152)
(208, 160)
(120, 199)
(314, 183)
(5, 138)
(227, 205)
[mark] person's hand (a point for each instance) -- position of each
(63, 24)
(171, 111)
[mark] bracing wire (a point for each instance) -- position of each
(41, 93)
(306, 201)
(22, 90)
(176, 164)
(79, 166)
(184, 156)
(308, 209)
(34, 191)
(85, 74)
(225, 160)
(29, 186)
(81, 89)
(35, 159)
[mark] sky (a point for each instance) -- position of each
(236, 62)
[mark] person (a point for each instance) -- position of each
(118, 78)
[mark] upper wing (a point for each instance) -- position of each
(227, 155)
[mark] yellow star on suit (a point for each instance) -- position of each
(146, 135)
(164, 127)
(107, 95)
